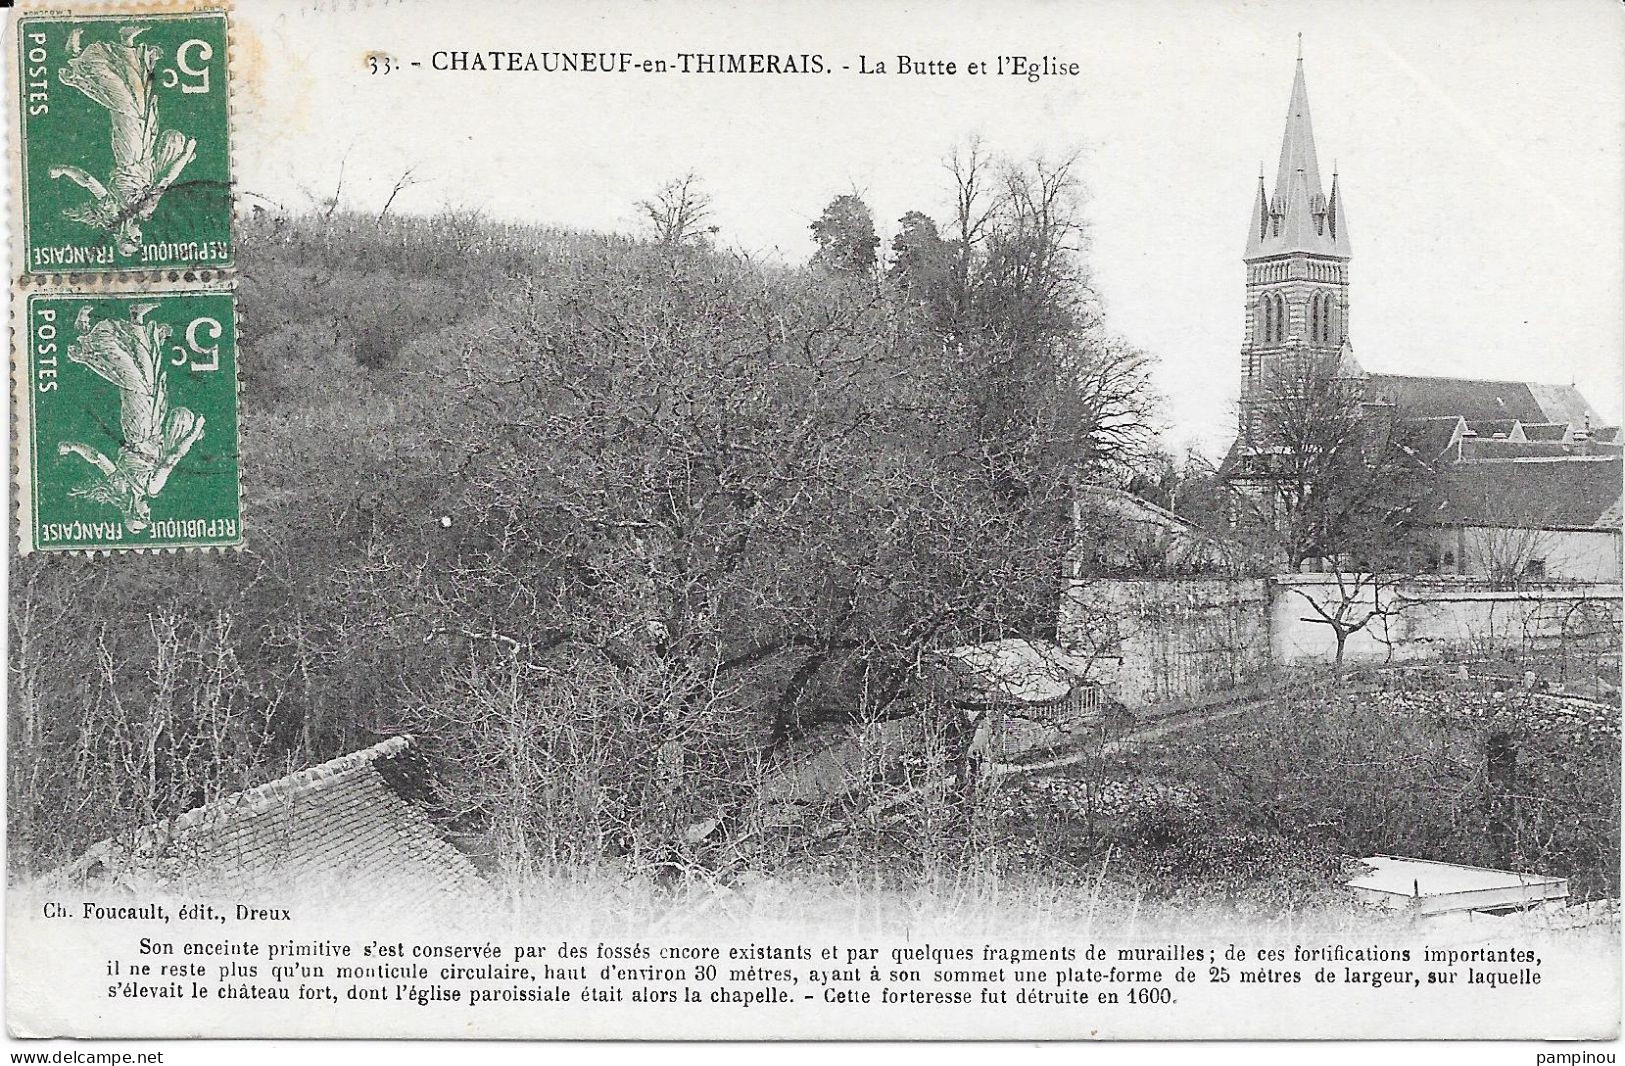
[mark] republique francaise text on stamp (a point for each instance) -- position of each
(128, 422)
(125, 153)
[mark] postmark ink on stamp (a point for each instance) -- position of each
(125, 154)
(128, 428)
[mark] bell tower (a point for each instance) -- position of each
(1297, 260)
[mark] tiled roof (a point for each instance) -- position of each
(1428, 438)
(355, 820)
(1514, 449)
(1563, 403)
(1476, 400)
(1567, 493)
(1546, 431)
(1495, 427)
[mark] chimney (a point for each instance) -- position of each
(1582, 438)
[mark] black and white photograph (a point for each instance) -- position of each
(813, 520)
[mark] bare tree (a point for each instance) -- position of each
(1510, 555)
(405, 181)
(678, 214)
(977, 201)
(1353, 603)
(1326, 476)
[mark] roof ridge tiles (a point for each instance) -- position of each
(237, 810)
(271, 793)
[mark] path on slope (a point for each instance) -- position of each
(1154, 729)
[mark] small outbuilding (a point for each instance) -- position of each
(1425, 887)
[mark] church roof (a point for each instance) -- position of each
(358, 819)
(1479, 400)
(1563, 403)
(1558, 493)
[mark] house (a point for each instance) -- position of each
(358, 820)
(1547, 517)
(1117, 531)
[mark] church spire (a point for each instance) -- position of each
(1299, 216)
(1298, 145)
(1260, 228)
(1297, 258)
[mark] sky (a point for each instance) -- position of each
(1481, 148)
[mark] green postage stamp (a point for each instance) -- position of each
(128, 426)
(125, 155)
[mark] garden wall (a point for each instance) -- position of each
(1158, 639)
(1154, 640)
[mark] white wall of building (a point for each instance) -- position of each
(1562, 554)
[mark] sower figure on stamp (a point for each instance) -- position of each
(156, 436)
(118, 76)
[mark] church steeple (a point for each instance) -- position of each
(1339, 227)
(1297, 259)
(1298, 217)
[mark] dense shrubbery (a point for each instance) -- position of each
(1405, 772)
(606, 522)
(1261, 812)
(1161, 838)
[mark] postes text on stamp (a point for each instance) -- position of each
(126, 163)
(128, 429)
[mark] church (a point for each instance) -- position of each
(1529, 478)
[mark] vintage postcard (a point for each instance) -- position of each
(815, 521)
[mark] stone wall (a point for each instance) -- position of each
(1429, 617)
(1157, 640)
(1153, 640)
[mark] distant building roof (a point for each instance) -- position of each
(1138, 509)
(1546, 431)
(1480, 400)
(1429, 438)
(1514, 449)
(1016, 670)
(1507, 428)
(1568, 493)
(356, 820)
(1182, 543)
